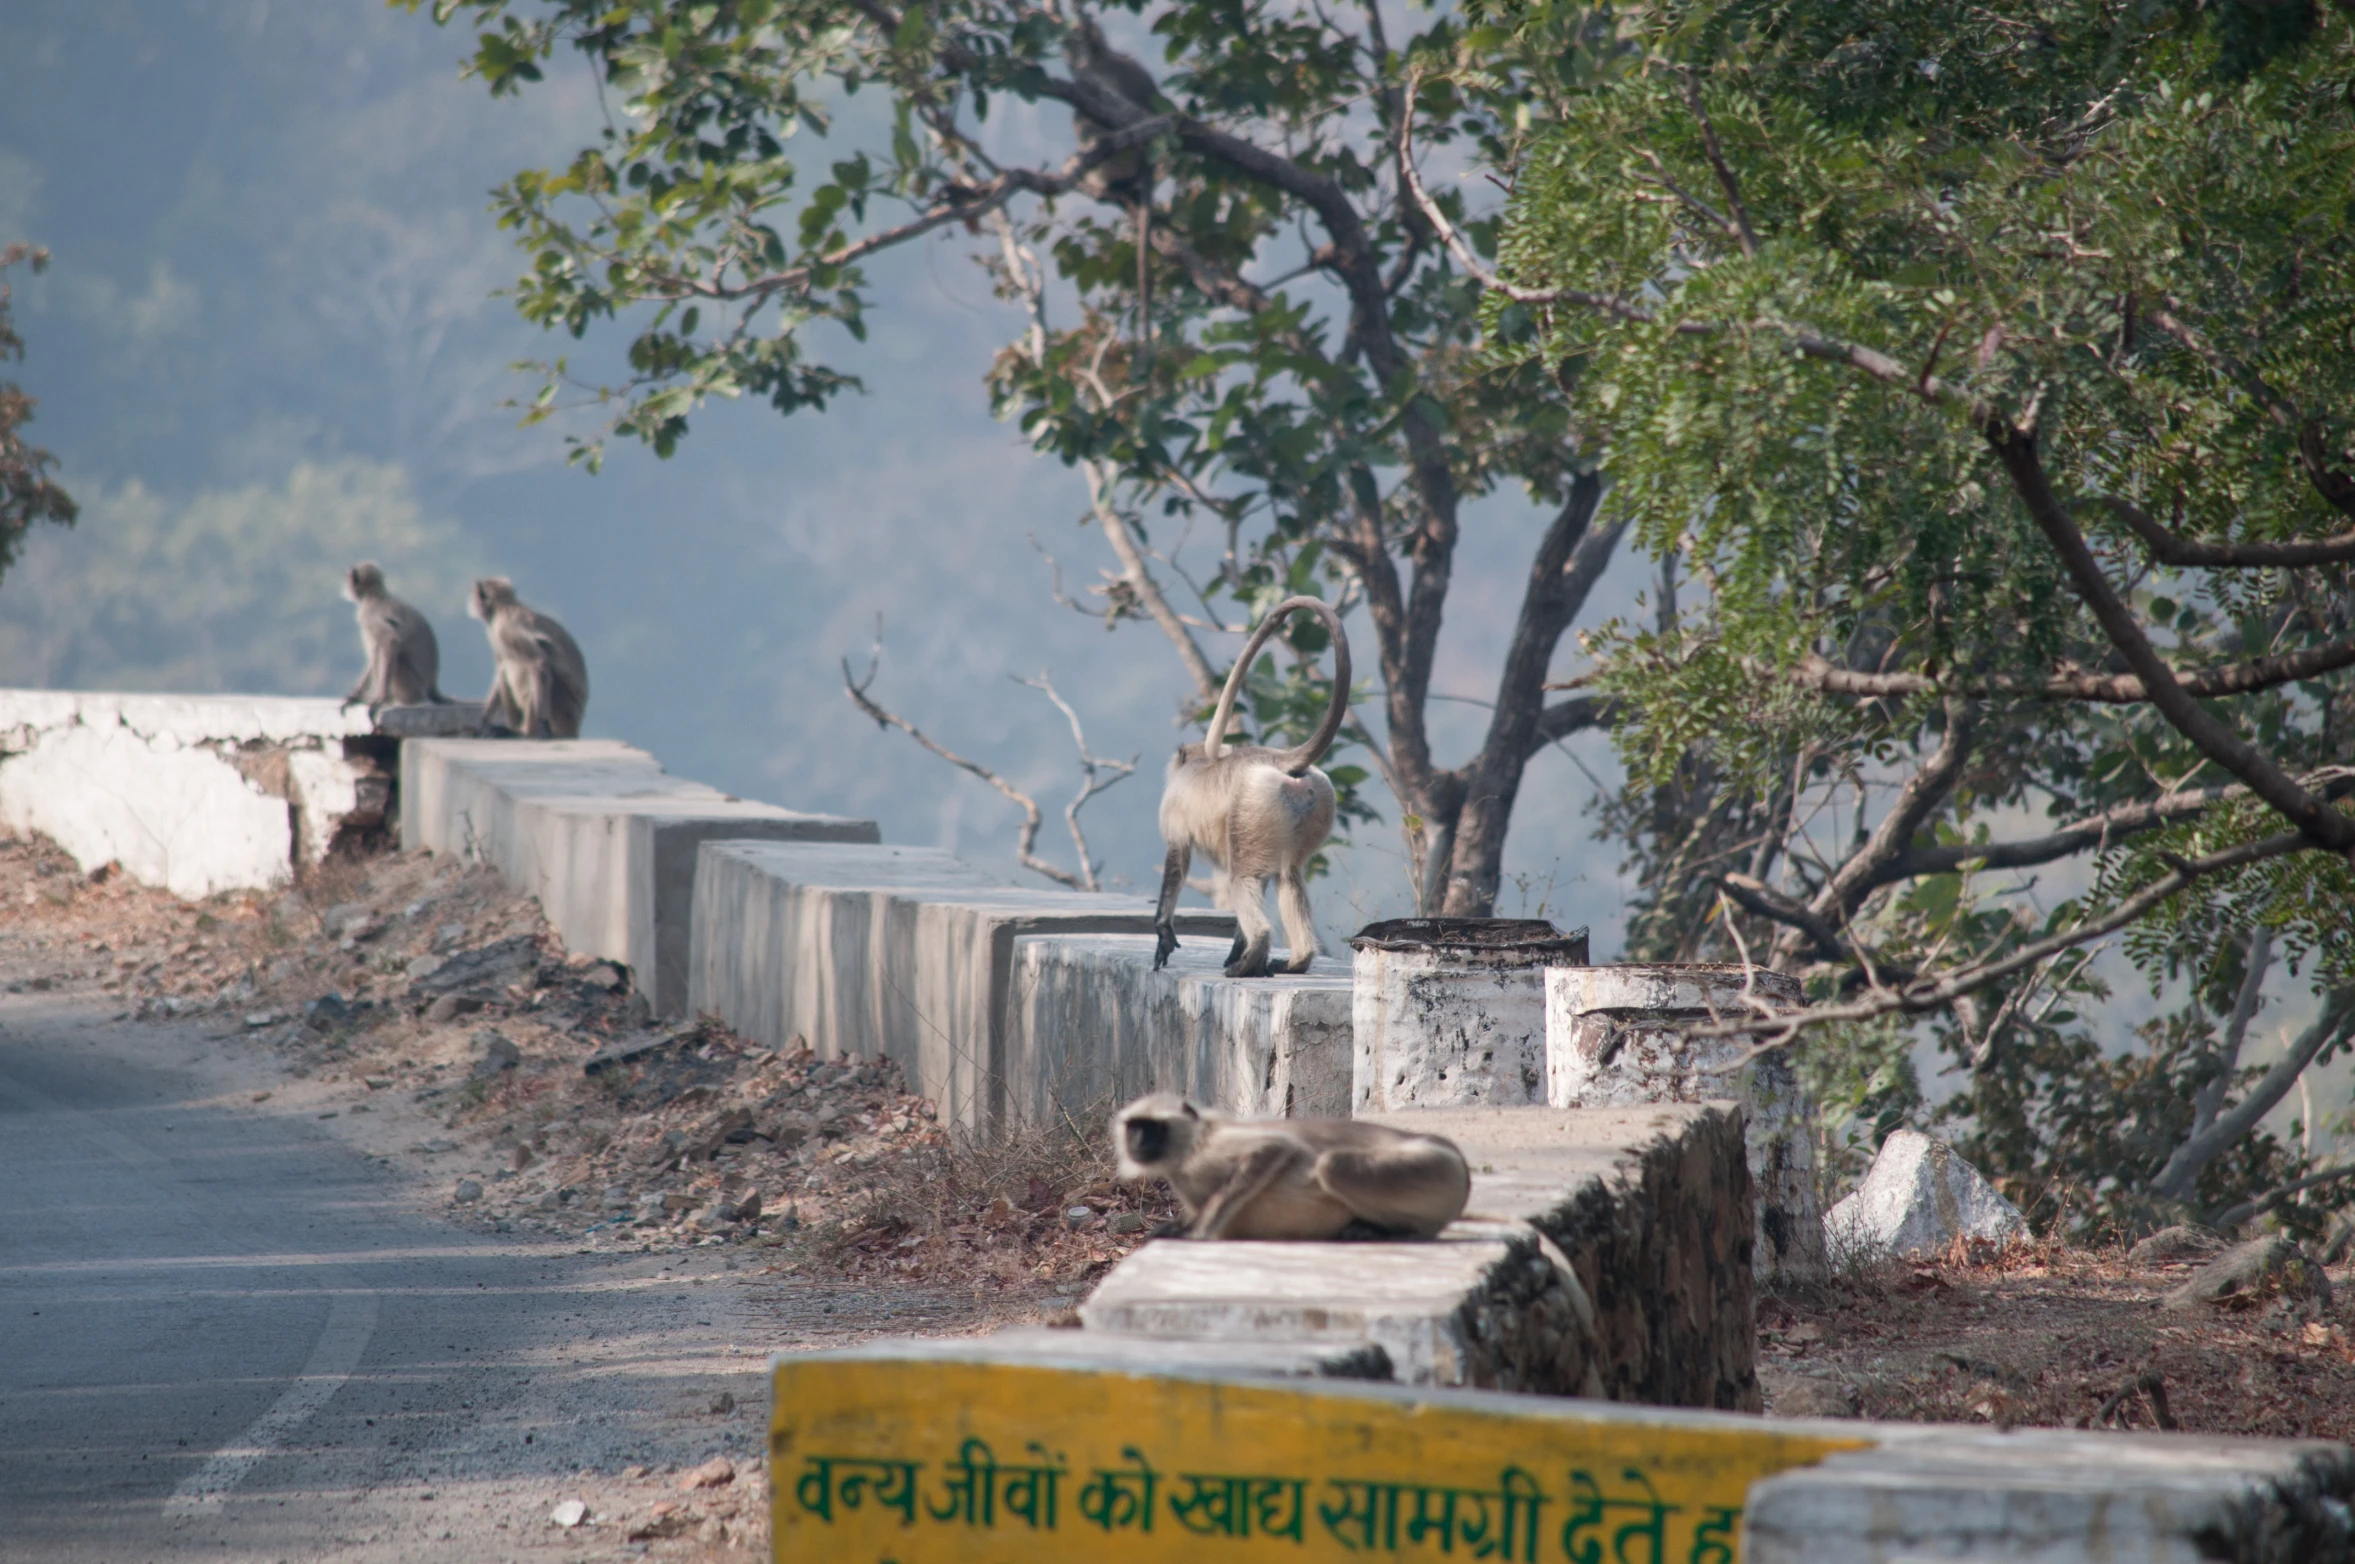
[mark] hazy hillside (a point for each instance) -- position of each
(267, 346)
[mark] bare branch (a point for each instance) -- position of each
(1140, 579)
(1095, 773)
(2109, 689)
(2248, 1210)
(1029, 284)
(2212, 1133)
(1778, 1026)
(2208, 734)
(2094, 831)
(1756, 896)
(1920, 797)
(1026, 843)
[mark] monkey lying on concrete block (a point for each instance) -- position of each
(1292, 1178)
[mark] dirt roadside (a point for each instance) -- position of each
(422, 1015)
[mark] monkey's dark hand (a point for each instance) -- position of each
(1165, 945)
(1173, 1228)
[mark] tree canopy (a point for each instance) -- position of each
(1991, 370)
(1241, 331)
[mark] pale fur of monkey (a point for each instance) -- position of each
(540, 683)
(1291, 1178)
(1258, 813)
(404, 660)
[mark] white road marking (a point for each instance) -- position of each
(351, 1320)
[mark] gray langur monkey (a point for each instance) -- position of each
(1292, 1178)
(1126, 177)
(541, 684)
(404, 661)
(1258, 813)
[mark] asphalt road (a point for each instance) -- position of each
(226, 1334)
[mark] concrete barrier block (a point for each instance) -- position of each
(446, 720)
(1617, 1035)
(1093, 1023)
(1097, 1349)
(598, 832)
(197, 794)
(901, 952)
(2055, 1497)
(1605, 1253)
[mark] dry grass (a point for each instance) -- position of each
(2044, 1335)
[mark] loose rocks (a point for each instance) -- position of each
(717, 1472)
(489, 968)
(1918, 1199)
(494, 1055)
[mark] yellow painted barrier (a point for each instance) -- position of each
(876, 1460)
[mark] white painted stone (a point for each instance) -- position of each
(1618, 1036)
(599, 832)
(198, 794)
(900, 952)
(1919, 1197)
(2048, 1496)
(1450, 1013)
(1404, 1297)
(1091, 1023)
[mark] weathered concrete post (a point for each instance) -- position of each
(1615, 1037)
(1450, 1012)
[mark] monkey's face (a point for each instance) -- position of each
(1148, 1141)
(489, 594)
(364, 581)
(1155, 1132)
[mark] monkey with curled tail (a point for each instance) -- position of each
(540, 686)
(404, 660)
(1258, 813)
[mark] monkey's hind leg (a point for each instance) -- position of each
(1412, 1190)
(1266, 1163)
(1254, 934)
(1300, 924)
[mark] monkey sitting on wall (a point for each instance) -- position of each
(1292, 1178)
(1257, 813)
(540, 686)
(404, 660)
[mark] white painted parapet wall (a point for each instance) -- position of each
(1092, 1023)
(903, 952)
(599, 832)
(195, 793)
